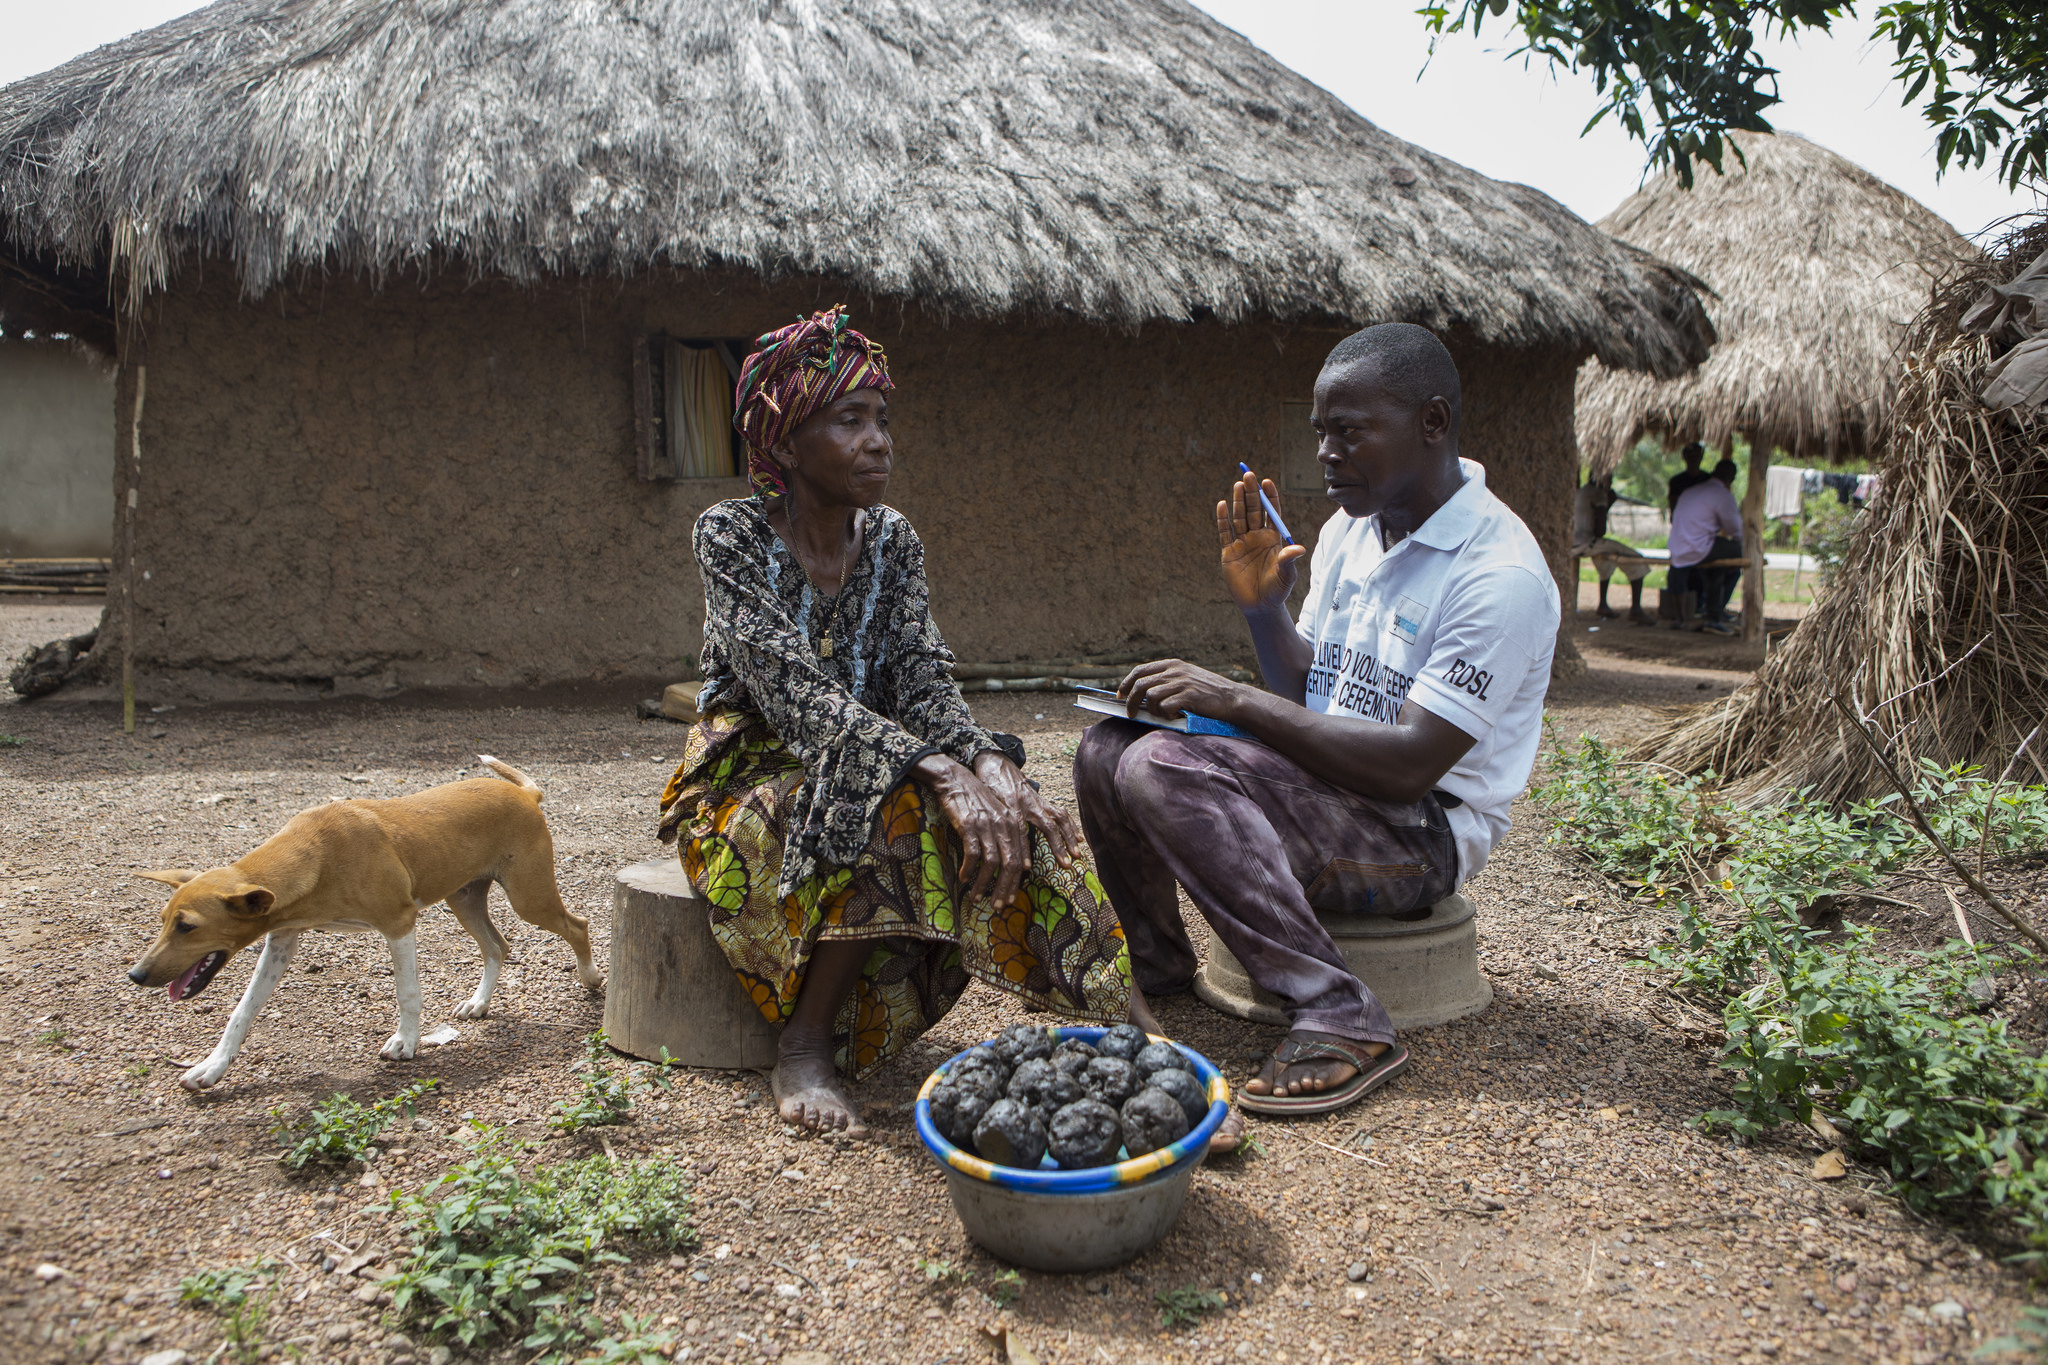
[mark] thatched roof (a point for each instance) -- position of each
(1819, 267)
(1119, 161)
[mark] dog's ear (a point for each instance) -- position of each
(176, 876)
(249, 900)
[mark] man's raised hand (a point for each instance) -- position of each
(1258, 563)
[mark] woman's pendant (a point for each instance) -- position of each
(825, 646)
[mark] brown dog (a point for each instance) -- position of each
(362, 866)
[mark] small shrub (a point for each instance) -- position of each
(241, 1296)
(1894, 1049)
(497, 1253)
(634, 1345)
(54, 1038)
(1185, 1306)
(11, 741)
(606, 1099)
(338, 1130)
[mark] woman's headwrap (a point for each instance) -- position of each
(793, 373)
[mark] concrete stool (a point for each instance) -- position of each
(1424, 970)
(670, 984)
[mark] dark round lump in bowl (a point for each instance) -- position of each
(955, 1111)
(1159, 1057)
(1022, 1043)
(1125, 1041)
(1152, 1119)
(1072, 1056)
(1183, 1086)
(1042, 1085)
(1086, 1133)
(1111, 1080)
(986, 1081)
(1011, 1134)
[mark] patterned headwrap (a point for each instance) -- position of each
(793, 373)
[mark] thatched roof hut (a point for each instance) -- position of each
(1112, 161)
(1817, 267)
(1071, 222)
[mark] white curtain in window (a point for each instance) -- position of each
(699, 412)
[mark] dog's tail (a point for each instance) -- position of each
(512, 775)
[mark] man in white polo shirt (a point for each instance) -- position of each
(1400, 719)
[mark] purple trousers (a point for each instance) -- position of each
(1260, 846)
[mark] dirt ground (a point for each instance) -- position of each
(1531, 1191)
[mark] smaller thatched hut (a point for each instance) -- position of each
(1819, 267)
(1937, 623)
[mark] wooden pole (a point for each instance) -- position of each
(129, 506)
(1753, 537)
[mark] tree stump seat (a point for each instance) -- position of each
(670, 985)
(1424, 969)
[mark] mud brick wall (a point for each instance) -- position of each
(356, 490)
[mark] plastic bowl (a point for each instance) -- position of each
(1056, 1220)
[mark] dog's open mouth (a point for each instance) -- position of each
(196, 976)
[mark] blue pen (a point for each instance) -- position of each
(1271, 511)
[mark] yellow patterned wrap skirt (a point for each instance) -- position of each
(1057, 945)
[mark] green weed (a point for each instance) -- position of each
(54, 1038)
(1185, 1306)
(497, 1253)
(11, 741)
(634, 1345)
(1005, 1288)
(943, 1272)
(338, 1130)
(138, 1070)
(241, 1296)
(606, 1099)
(1893, 1048)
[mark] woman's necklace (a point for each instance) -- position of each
(845, 562)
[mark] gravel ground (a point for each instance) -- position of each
(1530, 1191)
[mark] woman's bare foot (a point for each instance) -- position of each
(810, 1093)
(1142, 1015)
(1230, 1134)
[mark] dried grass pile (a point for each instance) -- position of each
(1941, 605)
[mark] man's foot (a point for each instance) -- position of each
(1638, 617)
(1606, 613)
(1311, 1076)
(809, 1093)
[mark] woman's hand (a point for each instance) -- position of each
(1006, 780)
(995, 841)
(1171, 686)
(1258, 564)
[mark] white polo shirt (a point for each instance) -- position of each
(1462, 616)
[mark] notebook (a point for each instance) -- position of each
(1188, 723)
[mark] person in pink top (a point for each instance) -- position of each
(1706, 525)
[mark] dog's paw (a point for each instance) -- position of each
(398, 1049)
(473, 1009)
(202, 1077)
(592, 979)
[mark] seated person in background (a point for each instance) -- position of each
(1692, 476)
(1590, 539)
(1402, 719)
(1706, 525)
(863, 848)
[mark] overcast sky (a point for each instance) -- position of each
(1509, 121)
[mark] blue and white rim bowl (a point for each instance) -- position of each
(1049, 1178)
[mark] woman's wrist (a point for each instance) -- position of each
(939, 770)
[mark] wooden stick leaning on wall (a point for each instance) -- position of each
(129, 506)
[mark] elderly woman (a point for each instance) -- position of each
(865, 849)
